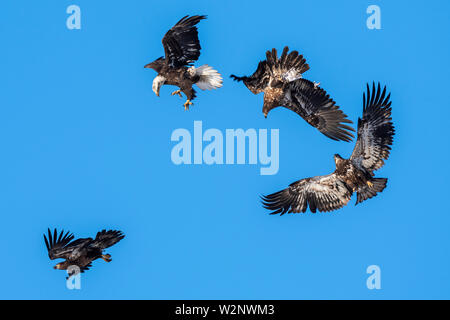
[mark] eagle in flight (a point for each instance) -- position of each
(80, 252)
(281, 81)
(333, 191)
(182, 48)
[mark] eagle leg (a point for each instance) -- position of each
(370, 184)
(106, 257)
(187, 104)
(178, 92)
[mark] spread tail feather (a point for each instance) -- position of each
(289, 66)
(209, 78)
(367, 192)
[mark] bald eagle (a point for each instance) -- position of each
(80, 252)
(281, 81)
(333, 191)
(182, 48)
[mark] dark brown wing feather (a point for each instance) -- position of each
(323, 193)
(181, 44)
(57, 245)
(375, 130)
(315, 106)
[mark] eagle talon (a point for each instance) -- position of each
(178, 92)
(106, 257)
(187, 104)
(370, 184)
(316, 84)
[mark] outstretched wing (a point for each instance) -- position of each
(323, 193)
(315, 106)
(106, 239)
(274, 71)
(57, 245)
(375, 130)
(181, 44)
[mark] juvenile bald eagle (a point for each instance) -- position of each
(333, 191)
(182, 48)
(80, 252)
(281, 81)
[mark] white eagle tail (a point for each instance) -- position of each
(209, 78)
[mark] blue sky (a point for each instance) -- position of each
(86, 146)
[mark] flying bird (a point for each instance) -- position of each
(356, 174)
(182, 48)
(81, 252)
(280, 79)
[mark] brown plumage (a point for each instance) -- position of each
(280, 79)
(333, 191)
(81, 252)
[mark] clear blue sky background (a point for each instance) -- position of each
(86, 145)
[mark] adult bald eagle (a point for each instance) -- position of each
(80, 252)
(281, 81)
(182, 48)
(333, 191)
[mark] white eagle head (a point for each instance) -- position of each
(157, 83)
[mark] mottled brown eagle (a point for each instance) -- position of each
(333, 191)
(281, 81)
(182, 48)
(80, 252)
